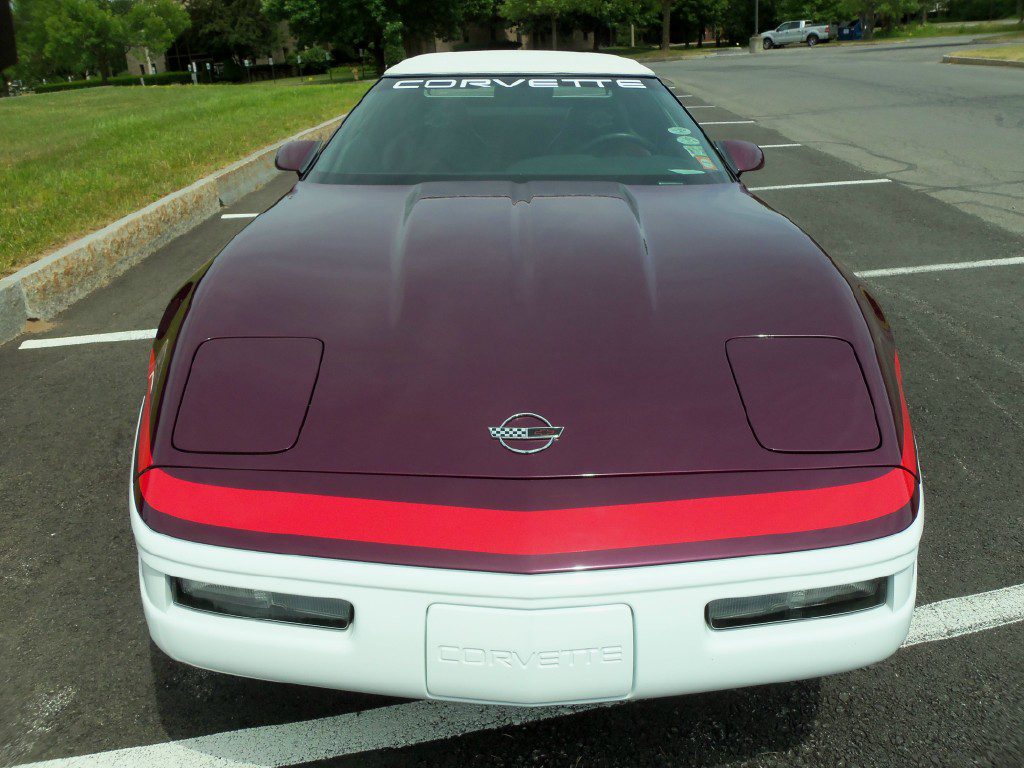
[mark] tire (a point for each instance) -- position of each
(767, 44)
(812, 40)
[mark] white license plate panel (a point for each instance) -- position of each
(523, 656)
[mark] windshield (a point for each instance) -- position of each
(519, 128)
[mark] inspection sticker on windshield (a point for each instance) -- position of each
(687, 139)
(680, 131)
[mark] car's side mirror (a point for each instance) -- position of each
(743, 155)
(295, 155)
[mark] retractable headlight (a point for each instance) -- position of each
(261, 604)
(799, 604)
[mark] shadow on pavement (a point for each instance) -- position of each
(193, 702)
(707, 729)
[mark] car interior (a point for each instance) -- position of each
(499, 132)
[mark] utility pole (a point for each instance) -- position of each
(757, 24)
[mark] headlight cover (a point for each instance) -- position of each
(245, 603)
(799, 604)
(247, 395)
(804, 394)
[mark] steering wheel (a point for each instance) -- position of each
(619, 136)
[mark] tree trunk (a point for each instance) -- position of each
(666, 24)
(378, 50)
(869, 23)
(554, 32)
(1020, 11)
(924, 14)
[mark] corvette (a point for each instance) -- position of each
(519, 396)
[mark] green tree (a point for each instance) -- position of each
(30, 32)
(229, 30)
(65, 37)
(83, 34)
(532, 15)
(372, 23)
(599, 16)
(594, 16)
(153, 25)
(871, 12)
(393, 50)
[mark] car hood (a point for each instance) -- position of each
(445, 308)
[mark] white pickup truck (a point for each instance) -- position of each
(789, 32)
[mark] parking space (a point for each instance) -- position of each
(87, 679)
(960, 342)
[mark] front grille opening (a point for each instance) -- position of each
(260, 604)
(799, 604)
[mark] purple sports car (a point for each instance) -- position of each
(519, 396)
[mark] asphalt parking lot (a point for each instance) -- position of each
(79, 676)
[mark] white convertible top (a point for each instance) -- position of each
(513, 62)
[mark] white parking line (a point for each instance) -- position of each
(684, 95)
(405, 725)
(702, 106)
(239, 215)
(400, 725)
(94, 338)
(821, 184)
(942, 267)
(966, 615)
(728, 122)
(778, 146)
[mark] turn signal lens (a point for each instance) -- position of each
(799, 604)
(260, 604)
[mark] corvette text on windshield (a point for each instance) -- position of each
(533, 82)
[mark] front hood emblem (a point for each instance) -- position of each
(526, 426)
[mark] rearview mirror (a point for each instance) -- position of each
(743, 155)
(295, 155)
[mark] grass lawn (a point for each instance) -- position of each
(642, 53)
(945, 28)
(74, 161)
(1002, 52)
(342, 74)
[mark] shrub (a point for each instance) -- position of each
(394, 52)
(314, 59)
(161, 78)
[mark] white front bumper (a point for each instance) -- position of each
(647, 637)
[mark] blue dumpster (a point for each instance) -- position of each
(853, 30)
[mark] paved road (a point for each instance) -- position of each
(954, 132)
(79, 676)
